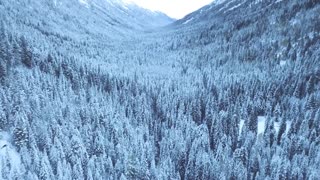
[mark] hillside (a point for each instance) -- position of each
(101, 89)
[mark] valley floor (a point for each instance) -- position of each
(229, 97)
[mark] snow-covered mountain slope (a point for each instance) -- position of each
(97, 28)
(223, 8)
(78, 17)
(88, 91)
(10, 161)
(129, 14)
(281, 28)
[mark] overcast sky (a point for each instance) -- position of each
(173, 8)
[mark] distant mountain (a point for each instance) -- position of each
(94, 89)
(146, 18)
(275, 29)
(70, 17)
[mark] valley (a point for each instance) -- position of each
(101, 89)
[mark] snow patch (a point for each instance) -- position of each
(283, 63)
(234, 7)
(277, 126)
(187, 21)
(8, 152)
(85, 3)
(241, 125)
(216, 2)
(225, 6)
(126, 3)
(294, 22)
(125, 7)
(261, 124)
(288, 126)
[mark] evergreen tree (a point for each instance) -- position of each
(20, 137)
(45, 172)
(282, 130)
(26, 54)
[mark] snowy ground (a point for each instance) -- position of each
(283, 63)
(85, 3)
(7, 152)
(241, 125)
(187, 21)
(262, 125)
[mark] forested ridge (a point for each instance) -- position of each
(229, 94)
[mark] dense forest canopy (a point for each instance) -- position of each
(231, 91)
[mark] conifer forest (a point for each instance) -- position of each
(107, 90)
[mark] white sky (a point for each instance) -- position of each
(173, 8)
